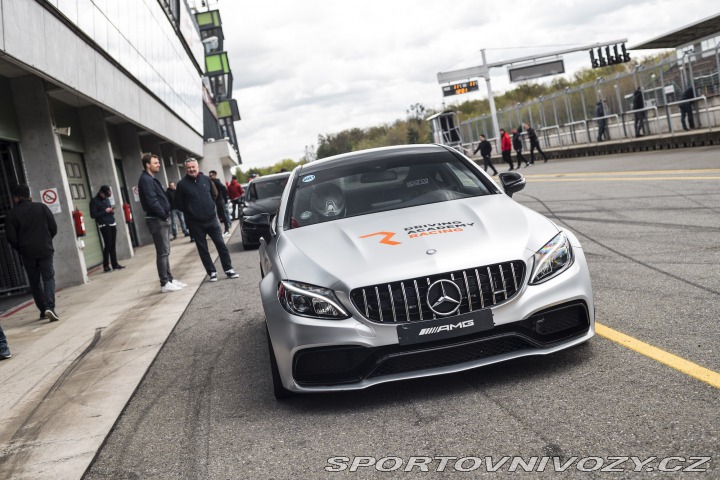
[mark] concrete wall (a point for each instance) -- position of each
(44, 167)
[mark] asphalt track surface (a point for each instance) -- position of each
(650, 227)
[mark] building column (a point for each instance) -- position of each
(101, 168)
(132, 165)
(45, 169)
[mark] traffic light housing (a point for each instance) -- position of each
(608, 58)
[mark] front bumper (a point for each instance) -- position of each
(331, 355)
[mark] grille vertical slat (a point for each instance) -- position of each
(365, 302)
(467, 289)
(407, 310)
(392, 303)
(377, 294)
(417, 299)
(497, 283)
(479, 285)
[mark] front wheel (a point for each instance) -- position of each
(279, 391)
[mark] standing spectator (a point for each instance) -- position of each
(235, 192)
(174, 212)
(104, 214)
(157, 217)
(602, 122)
(534, 143)
(506, 147)
(30, 228)
(518, 145)
(4, 348)
(686, 109)
(222, 199)
(485, 149)
(639, 103)
(197, 197)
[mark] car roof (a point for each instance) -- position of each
(273, 176)
(362, 156)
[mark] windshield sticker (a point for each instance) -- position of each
(419, 181)
(305, 215)
(426, 230)
(308, 178)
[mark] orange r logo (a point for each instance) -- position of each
(386, 239)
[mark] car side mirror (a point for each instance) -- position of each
(512, 182)
(258, 224)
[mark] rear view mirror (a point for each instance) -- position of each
(258, 224)
(377, 177)
(512, 182)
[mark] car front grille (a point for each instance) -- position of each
(406, 301)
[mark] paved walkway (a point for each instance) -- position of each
(68, 381)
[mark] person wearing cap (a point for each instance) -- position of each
(30, 228)
(104, 214)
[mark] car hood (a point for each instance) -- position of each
(264, 205)
(395, 245)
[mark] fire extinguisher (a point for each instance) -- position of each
(128, 213)
(79, 222)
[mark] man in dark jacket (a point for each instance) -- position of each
(221, 201)
(104, 214)
(602, 122)
(534, 143)
(196, 196)
(639, 103)
(485, 149)
(157, 217)
(517, 142)
(686, 109)
(30, 228)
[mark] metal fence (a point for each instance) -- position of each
(567, 117)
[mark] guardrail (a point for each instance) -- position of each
(707, 110)
(657, 116)
(617, 124)
(573, 138)
(547, 140)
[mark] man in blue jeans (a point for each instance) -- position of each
(157, 217)
(30, 228)
(196, 196)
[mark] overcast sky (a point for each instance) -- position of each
(310, 67)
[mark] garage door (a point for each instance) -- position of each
(81, 196)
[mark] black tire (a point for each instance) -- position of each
(279, 391)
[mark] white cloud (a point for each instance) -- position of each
(319, 66)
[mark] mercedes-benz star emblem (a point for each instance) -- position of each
(443, 297)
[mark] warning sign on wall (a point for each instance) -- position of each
(136, 193)
(49, 197)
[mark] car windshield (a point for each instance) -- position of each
(260, 189)
(399, 181)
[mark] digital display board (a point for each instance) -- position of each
(460, 88)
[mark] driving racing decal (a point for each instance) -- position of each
(426, 230)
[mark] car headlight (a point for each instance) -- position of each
(552, 259)
(310, 301)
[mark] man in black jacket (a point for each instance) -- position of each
(517, 142)
(534, 143)
(485, 149)
(196, 196)
(639, 104)
(686, 109)
(30, 228)
(104, 214)
(221, 201)
(157, 218)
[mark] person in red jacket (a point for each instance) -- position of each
(235, 192)
(506, 147)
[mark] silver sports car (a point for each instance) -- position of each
(410, 261)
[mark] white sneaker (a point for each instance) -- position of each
(213, 277)
(226, 234)
(169, 287)
(179, 283)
